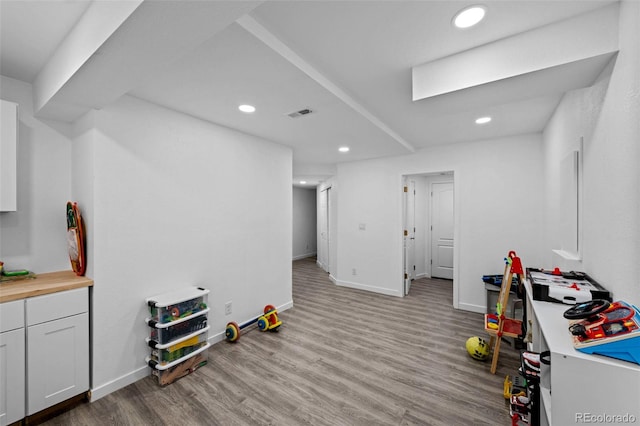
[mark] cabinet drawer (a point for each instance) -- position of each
(11, 315)
(57, 305)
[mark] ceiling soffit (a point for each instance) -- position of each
(578, 48)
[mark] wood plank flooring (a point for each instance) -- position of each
(341, 357)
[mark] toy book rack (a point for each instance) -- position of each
(498, 325)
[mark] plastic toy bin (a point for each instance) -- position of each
(168, 373)
(178, 335)
(176, 349)
(164, 333)
(175, 305)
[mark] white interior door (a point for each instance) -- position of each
(323, 252)
(409, 237)
(442, 230)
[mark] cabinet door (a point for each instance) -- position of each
(11, 376)
(8, 155)
(58, 361)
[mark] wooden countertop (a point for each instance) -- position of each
(49, 282)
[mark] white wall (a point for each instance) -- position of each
(304, 222)
(168, 201)
(34, 236)
(497, 186)
(607, 115)
(175, 202)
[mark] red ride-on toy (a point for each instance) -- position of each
(267, 322)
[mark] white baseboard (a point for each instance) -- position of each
(142, 372)
(360, 286)
(122, 381)
(481, 309)
(285, 306)
(217, 337)
(321, 265)
(304, 256)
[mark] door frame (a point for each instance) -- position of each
(409, 231)
(444, 175)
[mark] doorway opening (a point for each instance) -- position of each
(428, 227)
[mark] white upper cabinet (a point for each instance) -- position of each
(8, 158)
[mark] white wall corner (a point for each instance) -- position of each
(567, 261)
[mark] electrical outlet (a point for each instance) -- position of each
(227, 308)
(354, 272)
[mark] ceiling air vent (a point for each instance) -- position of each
(300, 113)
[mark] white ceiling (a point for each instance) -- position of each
(348, 61)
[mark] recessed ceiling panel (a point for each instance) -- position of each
(370, 47)
(235, 68)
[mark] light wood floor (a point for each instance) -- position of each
(341, 357)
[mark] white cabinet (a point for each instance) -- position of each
(12, 358)
(57, 348)
(578, 387)
(8, 155)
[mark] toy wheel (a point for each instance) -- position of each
(586, 309)
(263, 324)
(269, 308)
(175, 312)
(232, 332)
(273, 318)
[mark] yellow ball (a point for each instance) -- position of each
(478, 348)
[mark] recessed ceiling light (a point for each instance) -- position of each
(469, 16)
(483, 120)
(303, 182)
(247, 108)
(343, 149)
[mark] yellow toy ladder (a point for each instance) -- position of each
(499, 325)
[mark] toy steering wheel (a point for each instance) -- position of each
(586, 309)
